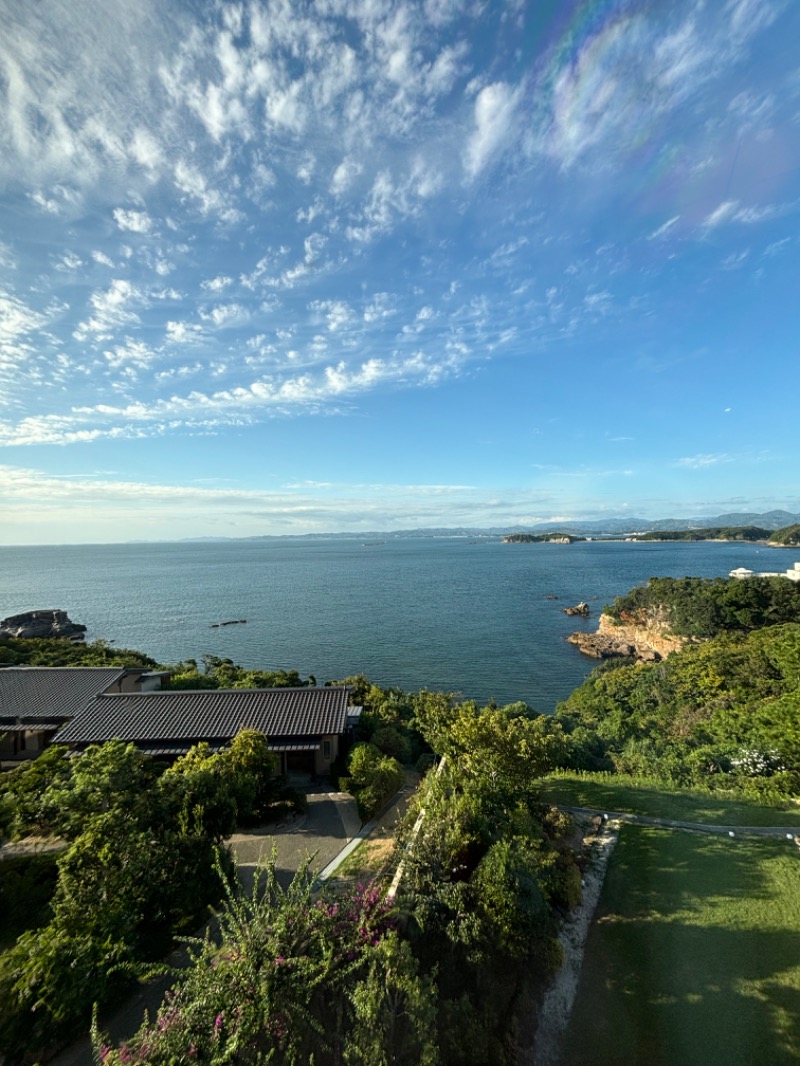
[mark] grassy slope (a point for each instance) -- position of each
(694, 959)
(616, 792)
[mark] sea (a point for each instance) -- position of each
(468, 615)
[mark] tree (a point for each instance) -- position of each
(199, 789)
(506, 745)
(218, 673)
(394, 1011)
(788, 535)
(374, 777)
(60, 795)
(256, 778)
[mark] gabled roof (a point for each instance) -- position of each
(51, 694)
(165, 719)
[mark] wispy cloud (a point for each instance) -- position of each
(702, 462)
(723, 213)
(664, 228)
(207, 410)
(495, 111)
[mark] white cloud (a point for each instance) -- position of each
(700, 462)
(17, 319)
(777, 246)
(267, 395)
(225, 315)
(52, 207)
(495, 115)
(110, 310)
(130, 352)
(724, 213)
(190, 180)
(597, 301)
(183, 332)
(748, 17)
(69, 261)
(663, 229)
(305, 172)
(344, 176)
(217, 284)
(380, 307)
(751, 215)
(145, 150)
(337, 313)
(734, 260)
(133, 221)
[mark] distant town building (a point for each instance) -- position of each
(793, 573)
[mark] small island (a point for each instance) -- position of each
(743, 533)
(541, 538)
(788, 537)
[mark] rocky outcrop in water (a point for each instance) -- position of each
(646, 643)
(41, 624)
(580, 608)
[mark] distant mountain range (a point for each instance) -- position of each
(614, 526)
(610, 527)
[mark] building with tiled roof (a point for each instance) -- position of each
(302, 725)
(35, 701)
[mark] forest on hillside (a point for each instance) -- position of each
(724, 712)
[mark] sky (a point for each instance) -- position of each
(284, 267)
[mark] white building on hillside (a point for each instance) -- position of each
(793, 573)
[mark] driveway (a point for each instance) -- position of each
(331, 822)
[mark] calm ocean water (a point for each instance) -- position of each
(452, 614)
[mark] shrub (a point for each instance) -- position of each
(425, 762)
(373, 778)
(27, 883)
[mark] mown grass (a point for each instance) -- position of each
(632, 795)
(694, 956)
(369, 859)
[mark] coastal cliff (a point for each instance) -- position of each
(646, 638)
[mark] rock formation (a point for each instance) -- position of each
(645, 642)
(580, 608)
(41, 624)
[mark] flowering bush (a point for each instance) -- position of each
(278, 982)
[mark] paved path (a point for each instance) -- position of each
(785, 831)
(332, 820)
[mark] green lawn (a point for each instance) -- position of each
(694, 956)
(615, 792)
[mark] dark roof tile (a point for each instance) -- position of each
(281, 714)
(52, 693)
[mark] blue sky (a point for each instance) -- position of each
(280, 267)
